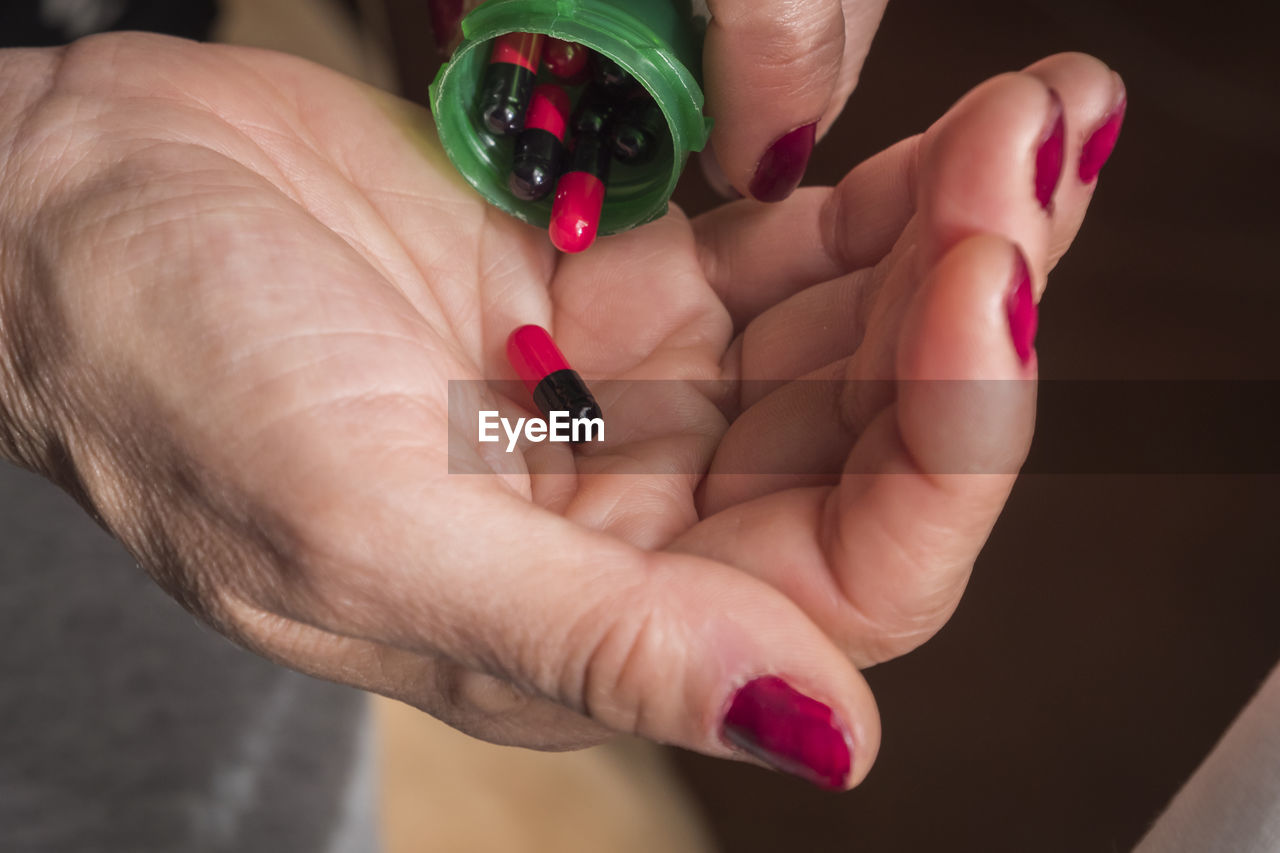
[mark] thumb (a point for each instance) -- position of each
(675, 648)
(776, 74)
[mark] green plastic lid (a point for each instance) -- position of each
(658, 42)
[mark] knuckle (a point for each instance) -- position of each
(489, 697)
(316, 574)
(894, 620)
(626, 652)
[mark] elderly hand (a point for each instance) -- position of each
(235, 289)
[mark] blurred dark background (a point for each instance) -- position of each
(1117, 620)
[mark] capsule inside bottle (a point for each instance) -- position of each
(566, 60)
(580, 192)
(539, 154)
(612, 77)
(508, 81)
(638, 131)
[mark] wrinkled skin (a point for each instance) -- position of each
(236, 286)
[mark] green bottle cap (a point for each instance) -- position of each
(658, 42)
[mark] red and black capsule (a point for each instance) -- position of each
(555, 386)
(540, 152)
(638, 131)
(504, 93)
(612, 76)
(567, 60)
(575, 213)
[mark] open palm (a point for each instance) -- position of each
(276, 308)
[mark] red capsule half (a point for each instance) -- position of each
(523, 49)
(548, 110)
(534, 355)
(575, 213)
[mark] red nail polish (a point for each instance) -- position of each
(1049, 151)
(790, 731)
(782, 166)
(1020, 307)
(1097, 148)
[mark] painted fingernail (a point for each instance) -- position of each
(1049, 152)
(1020, 307)
(782, 166)
(1097, 148)
(789, 731)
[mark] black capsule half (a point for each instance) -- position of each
(504, 92)
(537, 164)
(539, 153)
(595, 112)
(591, 153)
(504, 98)
(638, 132)
(564, 391)
(612, 76)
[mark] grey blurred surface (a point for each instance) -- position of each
(125, 725)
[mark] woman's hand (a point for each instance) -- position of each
(236, 288)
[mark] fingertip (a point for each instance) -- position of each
(800, 732)
(993, 164)
(967, 361)
(1101, 141)
(1021, 309)
(1095, 101)
(962, 323)
(782, 166)
(770, 78)
(761, 682)
(786, 729)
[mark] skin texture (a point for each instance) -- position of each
(773, 68)
(235, 287)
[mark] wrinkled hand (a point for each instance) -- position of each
(777, 74)
(236, 286)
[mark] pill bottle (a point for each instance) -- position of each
(658, 42)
